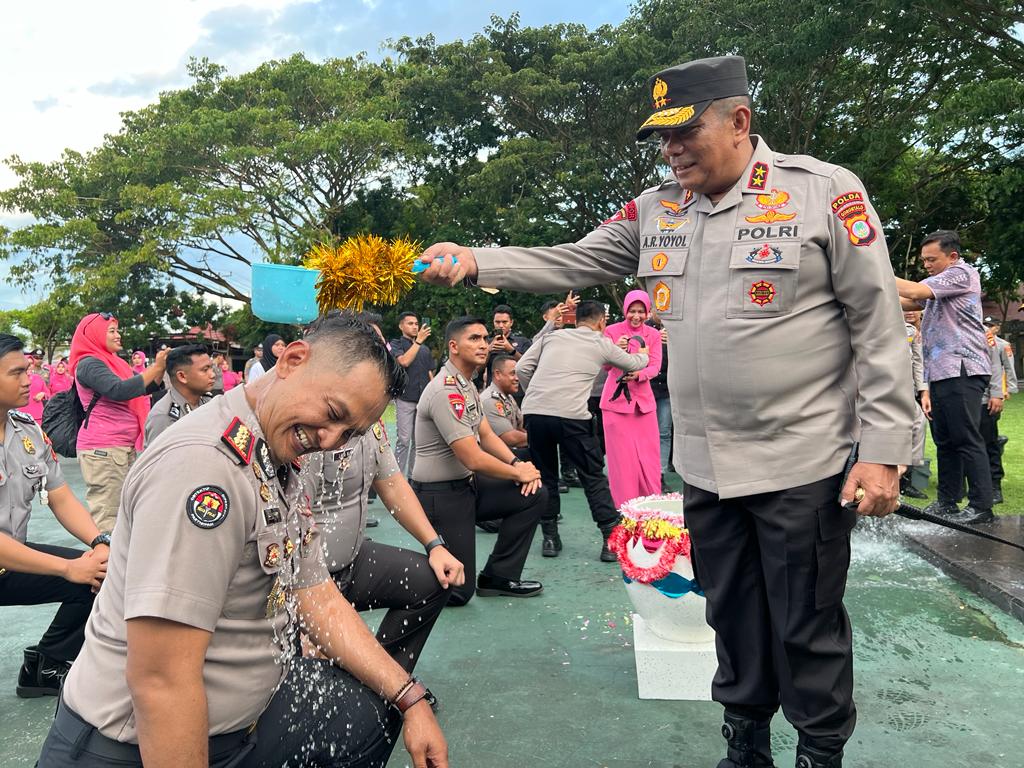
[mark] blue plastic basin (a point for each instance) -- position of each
(284, 294)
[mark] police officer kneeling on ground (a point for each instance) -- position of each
(190, 373)
(772, 278)
(32, 574)
(413, 587)
(465, 473)
(189, 658)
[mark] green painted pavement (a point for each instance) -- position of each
(550, 682)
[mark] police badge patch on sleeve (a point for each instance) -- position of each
(207, 506)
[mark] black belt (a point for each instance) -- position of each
(86, 738)
(444, 485)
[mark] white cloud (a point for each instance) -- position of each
(62, 51)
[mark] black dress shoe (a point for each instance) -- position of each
(607, 556)
(941, 508)
(971, 516)
(997, 496)
(372, 522)
(489, 526)
(551, 546)
(40, 675)
(491, 586)
(1002, 440)
(562, 487)
(912, 493)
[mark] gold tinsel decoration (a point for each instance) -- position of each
(365, 269)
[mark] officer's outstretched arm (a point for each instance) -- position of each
(336, 629)
(164, 674)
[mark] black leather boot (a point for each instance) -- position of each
(749, 743)
(40, 676)
(607, 556)
(551, 544)
(808, 757)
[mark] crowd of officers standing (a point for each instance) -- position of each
(252, 550)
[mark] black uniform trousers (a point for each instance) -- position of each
(63, 639)
(320, 716)
(988, 425)
(959, 446)
(773, 567)
(453, 508)
(577, 441)
(403, 582)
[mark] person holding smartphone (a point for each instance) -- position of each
(412, 354)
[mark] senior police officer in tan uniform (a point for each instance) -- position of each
(464, 473)
(771, 274)
(500, 407)
(31, 573)
(190, 380)
(413, 587)
(189, 655)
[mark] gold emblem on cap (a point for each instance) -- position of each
(659, 92)
(670, 117)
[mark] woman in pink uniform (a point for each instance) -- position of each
(60, 379)
(38, 391)
(629, 409)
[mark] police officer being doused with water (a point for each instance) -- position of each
(30, 573)
(189, 658)
(771, 275)
(190, 377)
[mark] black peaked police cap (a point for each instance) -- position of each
(680, 94)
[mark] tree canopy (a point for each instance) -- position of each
(527, 135)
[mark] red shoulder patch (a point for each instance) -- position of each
(627, 212)
(240, 439)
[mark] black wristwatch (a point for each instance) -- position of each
(438, 542)
(515, 460)
(103, 538)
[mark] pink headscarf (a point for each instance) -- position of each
(142, 366)
(636, 295)
(90, 340)
(60, 382)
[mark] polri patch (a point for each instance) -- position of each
(627, 212)
(457, 403)
(207, 506)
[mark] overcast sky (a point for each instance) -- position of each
(70, 68)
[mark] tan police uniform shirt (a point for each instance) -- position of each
(206, 536)
(168, 409)
(782, 314)
(27, 467)
(502, 411)
(448, 410)
(338, 484)
(560, 370)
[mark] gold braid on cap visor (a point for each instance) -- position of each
(669, 117)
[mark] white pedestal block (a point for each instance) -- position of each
(667, 670)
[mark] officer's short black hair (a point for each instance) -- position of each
(502, 309)
(947, 239)
(589, 311)
(500, 360)
(548, 305)
(371, 318)
(181, 357)
(10, 343)
(353, 341)
(456, 327)
(404, 315)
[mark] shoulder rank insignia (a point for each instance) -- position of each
(239, 438)
(449, 381)
(28, 445)
(21, 416)
(174, 411)
(378, 431)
